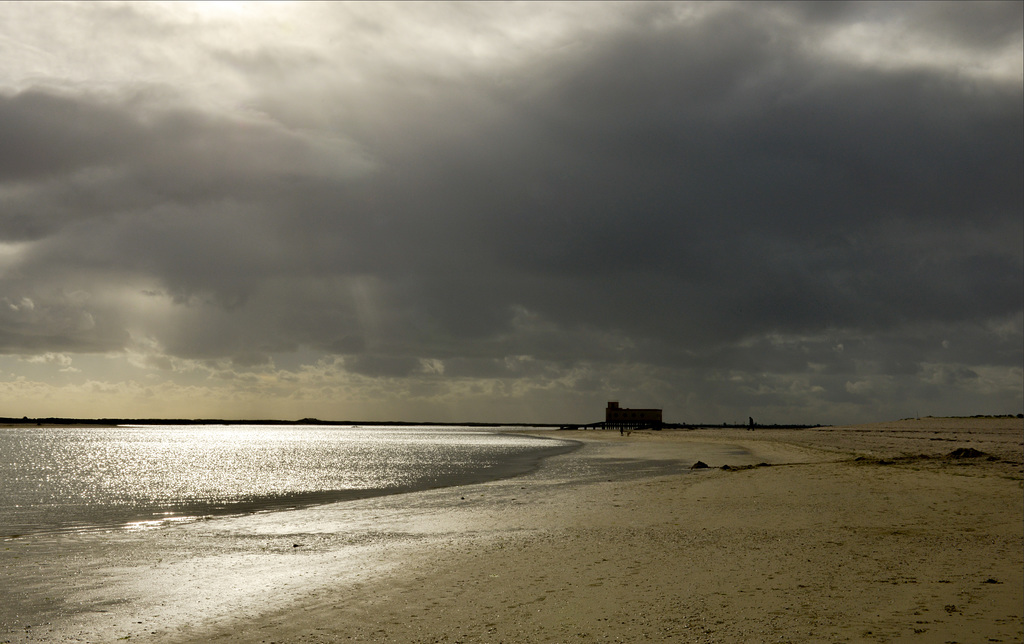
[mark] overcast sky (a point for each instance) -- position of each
(511, 212)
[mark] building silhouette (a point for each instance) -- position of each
(624, 418)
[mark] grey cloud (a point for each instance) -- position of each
(59, 321)
(43, 135)
(85, 156)
(382, 365)
(983, 25)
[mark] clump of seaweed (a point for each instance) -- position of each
(740, 468)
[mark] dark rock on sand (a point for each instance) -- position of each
(699, 465)
(966, 452)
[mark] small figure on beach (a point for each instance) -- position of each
(750, 425)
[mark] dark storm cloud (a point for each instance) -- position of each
(706, 193)
(724, 179)
(66, 159)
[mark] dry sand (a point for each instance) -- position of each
(859, 534)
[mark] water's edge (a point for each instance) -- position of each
(154, 517)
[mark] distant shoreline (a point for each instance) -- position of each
(109, 422)
(221, 421)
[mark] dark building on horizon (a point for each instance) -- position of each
(624, 418)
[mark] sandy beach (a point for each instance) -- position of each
(847, 534)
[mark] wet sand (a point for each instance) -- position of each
(867, 533)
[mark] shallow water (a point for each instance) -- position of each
(73, 479)
(155, 585)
